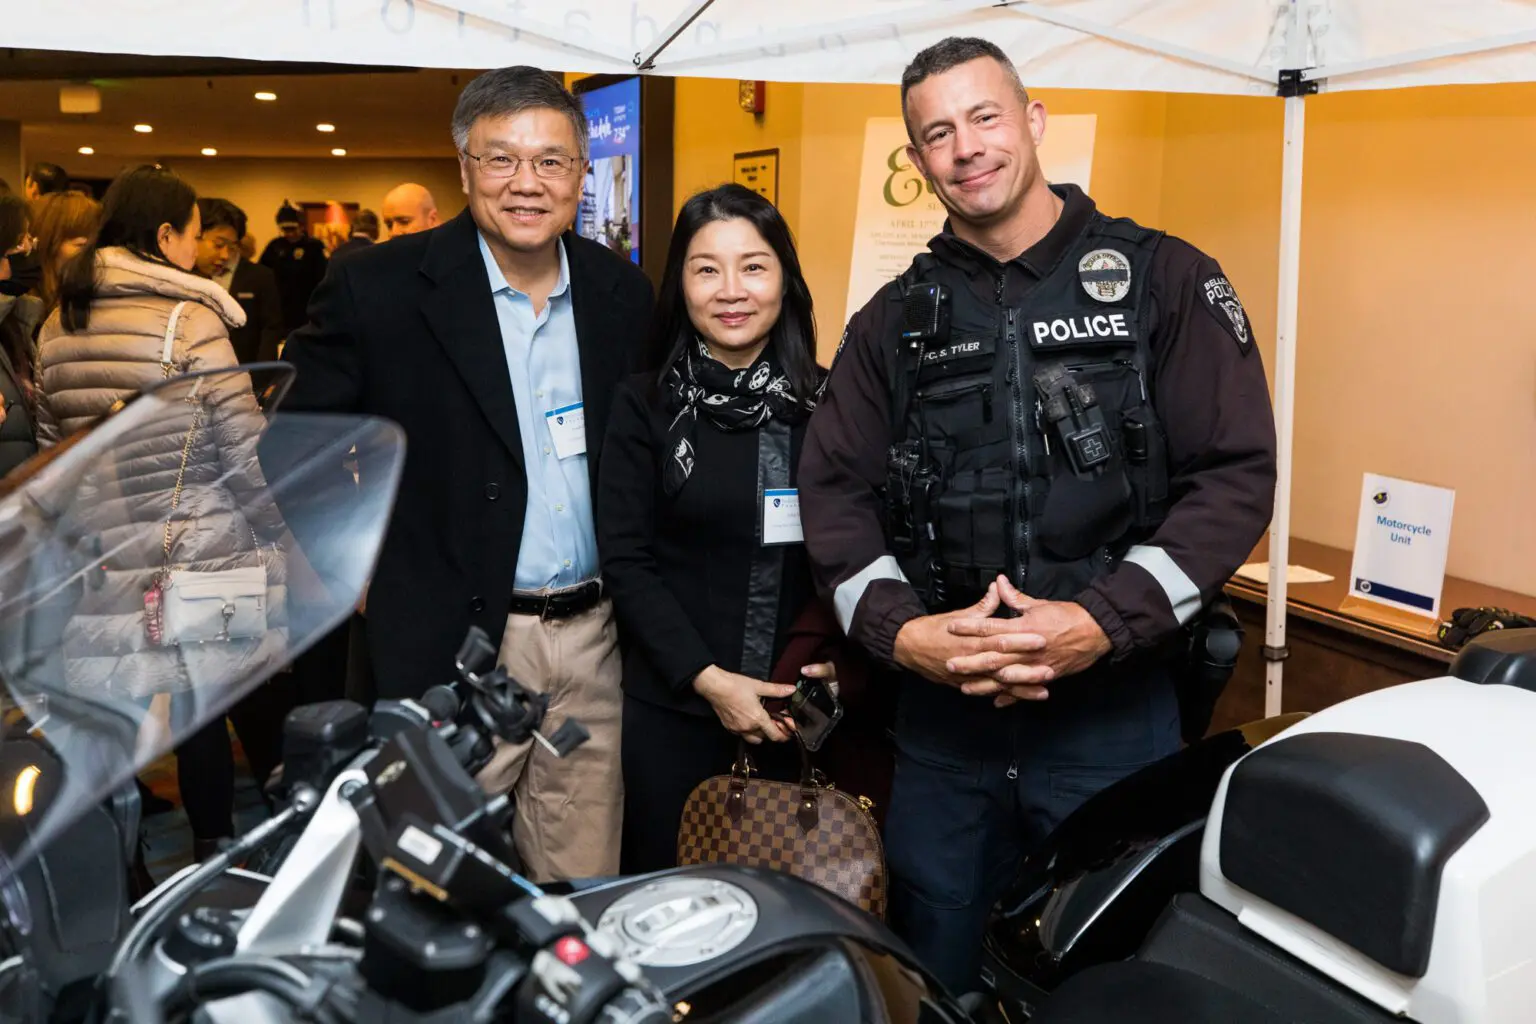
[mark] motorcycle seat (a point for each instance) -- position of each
(1135, 992)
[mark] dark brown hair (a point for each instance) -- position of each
(135, 206)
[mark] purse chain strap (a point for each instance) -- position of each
(167, 368)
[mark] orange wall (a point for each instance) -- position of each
(1417, 351)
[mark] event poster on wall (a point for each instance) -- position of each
(610, 196)
(898, 213)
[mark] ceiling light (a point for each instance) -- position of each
(210, 151)
(325, 127)
(338, 152)
(79, 99)
(143, 129)
(266, 97)
(86, 151)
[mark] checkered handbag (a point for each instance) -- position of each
(807, 829)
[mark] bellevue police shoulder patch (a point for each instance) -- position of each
(1221, 299)
(1105, 275)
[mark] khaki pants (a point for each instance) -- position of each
(569, 810)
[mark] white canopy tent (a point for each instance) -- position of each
(1251, 47)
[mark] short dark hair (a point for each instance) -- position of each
(946, 55)
(49, 177)
(507, 91)
(221, 213)
(366, 223)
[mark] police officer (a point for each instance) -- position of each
(299, 263)
(1041, 453)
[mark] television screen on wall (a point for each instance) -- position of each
(610, 196)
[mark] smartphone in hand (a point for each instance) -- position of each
(815, 710)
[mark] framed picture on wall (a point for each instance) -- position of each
(330, 222)
(758, 171)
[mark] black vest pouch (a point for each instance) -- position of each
(971, 520)
(1079, 408)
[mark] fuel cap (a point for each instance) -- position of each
(677, 922)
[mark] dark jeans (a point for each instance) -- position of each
(976, 788)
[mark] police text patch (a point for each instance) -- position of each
(1081, 329)
(1221, 299)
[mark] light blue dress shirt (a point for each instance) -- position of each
(559, 541)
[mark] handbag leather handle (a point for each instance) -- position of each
(807, 813)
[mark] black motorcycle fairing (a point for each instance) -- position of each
(798, 926)
(1129, 816)
(1091, 892)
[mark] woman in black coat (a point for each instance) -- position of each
(698, 525)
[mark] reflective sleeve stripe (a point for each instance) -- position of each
(1182, 593)
(848, 594)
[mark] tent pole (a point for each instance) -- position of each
(1285, 398)
(646, 59)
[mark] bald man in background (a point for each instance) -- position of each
(409, 208)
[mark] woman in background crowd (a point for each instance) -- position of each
(64, 223)
(20, 315)
(704, 605)
(117, 300)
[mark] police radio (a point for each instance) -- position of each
(925, 314)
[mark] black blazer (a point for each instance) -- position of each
(408, 331)
(679, 567)
(255, 288)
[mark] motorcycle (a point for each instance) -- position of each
(444, 926)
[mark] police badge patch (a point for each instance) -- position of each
(1105, 275)
(1221, 299)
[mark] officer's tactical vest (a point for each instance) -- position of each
(1005, 462)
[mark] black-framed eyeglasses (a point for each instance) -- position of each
(502, 165)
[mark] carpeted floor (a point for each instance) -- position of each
(168, 835)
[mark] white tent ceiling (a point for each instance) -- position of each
(1209, 46)
(1221, 46)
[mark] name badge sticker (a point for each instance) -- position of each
(781, 517)
(568, 428)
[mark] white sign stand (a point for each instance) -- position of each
(1401, 544)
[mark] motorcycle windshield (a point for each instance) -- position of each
(158, 566)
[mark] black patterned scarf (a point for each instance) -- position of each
(732, 400)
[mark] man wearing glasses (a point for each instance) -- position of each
(496, 340)
(251, 284)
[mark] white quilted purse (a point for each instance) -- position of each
(183, 606)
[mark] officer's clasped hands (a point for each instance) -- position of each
(1048, 640)
(929, 646)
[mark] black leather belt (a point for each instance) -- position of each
(559, 604)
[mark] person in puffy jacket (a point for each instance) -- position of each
(104, 344)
